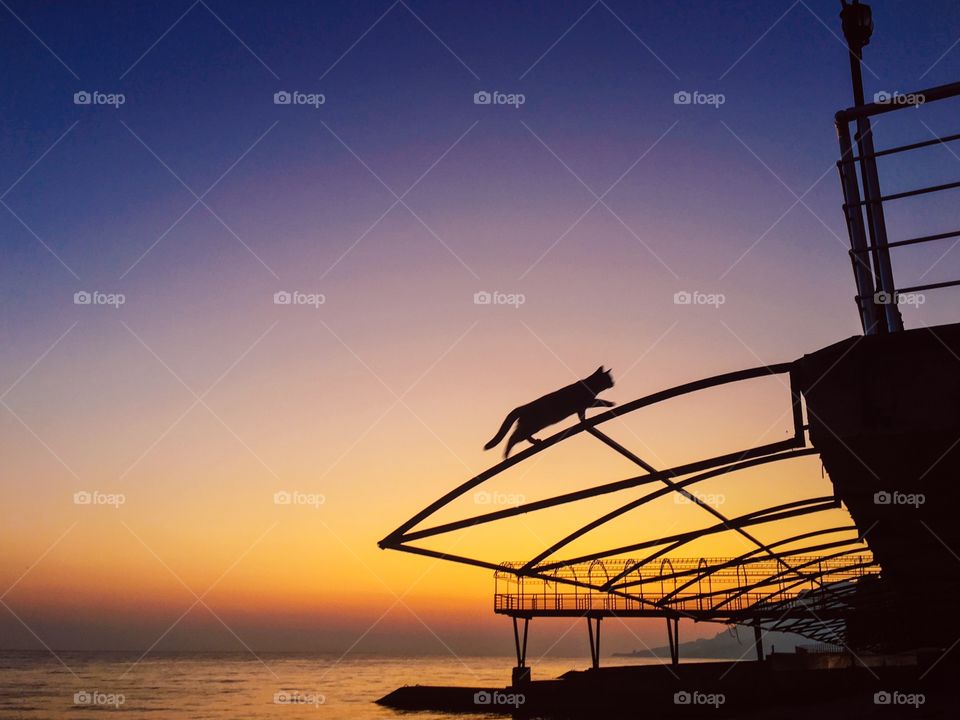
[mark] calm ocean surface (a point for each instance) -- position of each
(36, 685)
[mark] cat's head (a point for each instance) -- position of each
(602, 379)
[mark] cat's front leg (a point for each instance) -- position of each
(602, 403)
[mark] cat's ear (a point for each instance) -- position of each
(599, 370)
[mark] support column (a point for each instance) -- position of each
(521, 673)
(673, 637)
(594, 640)
(758, 640)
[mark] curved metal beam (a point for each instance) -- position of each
(746, 560)
(613, 514)
(756, 517)
(391, 540)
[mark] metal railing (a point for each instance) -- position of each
(605, 603)
(705, 588)
(877, 294)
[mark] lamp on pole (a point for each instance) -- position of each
(857, 21)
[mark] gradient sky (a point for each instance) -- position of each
(200, 398)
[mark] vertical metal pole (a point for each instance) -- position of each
(516, 641)
(521, 673)
(673, 637)
(796, 408)
(862, 273)
(526, 627)
(593, 652)
(758, 640)
(676, 641)
(857, 28)
(670, 641)
(857, 22)
(878, 225)
(596, 663)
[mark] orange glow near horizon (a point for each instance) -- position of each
(202, 397)
(174, 535)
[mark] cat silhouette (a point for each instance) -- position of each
(552, 408)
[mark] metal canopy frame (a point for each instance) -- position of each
(774, 584)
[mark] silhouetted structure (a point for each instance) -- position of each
(881, 410)
(802, 582)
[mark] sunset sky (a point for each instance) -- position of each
(396, 200)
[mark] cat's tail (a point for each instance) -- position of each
(501, 433)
